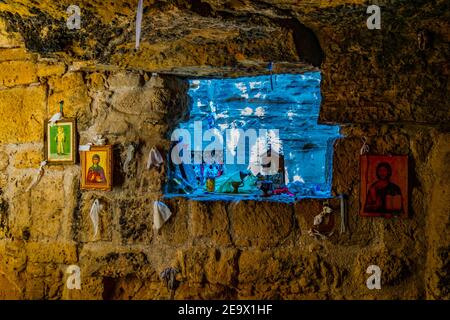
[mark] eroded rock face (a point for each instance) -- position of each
(402, 81)
(187, 37)
(376, 83)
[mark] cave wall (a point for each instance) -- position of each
(376, 84)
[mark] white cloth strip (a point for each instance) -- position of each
(95, 209)
(139, 12)
(161, 213)
(38, 177)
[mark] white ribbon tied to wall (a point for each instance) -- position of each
(130, 153)
(154, 159)
(365, 147)
(38, 176)
(95, 209)
(161, 213)
(139, 12)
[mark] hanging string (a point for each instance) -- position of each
(343, 203)
(61, 108)
(95, 209)
(365, 147)
(270, 67)
(38, 176)
(139, 12)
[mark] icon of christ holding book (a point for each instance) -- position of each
(384, 196)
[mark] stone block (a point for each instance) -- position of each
(267, 269)
(50, 69)
(13, 258)
(19, 222)
(257, 265)
(191, 262)
(14, 73)
(52, 252)
(221, 266)
(69, 81)
(123, 80)
(47, 205)
(203, 265)
(71, 89)
(110, 261)
(261, 224)
(15, 54)
(22, 114)
(209, 222)
(176, 230)
(135, 220)
(29, 158)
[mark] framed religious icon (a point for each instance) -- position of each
(384, 186)
(60, 141)
(96, 168)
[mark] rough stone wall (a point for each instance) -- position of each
(48, 228)
(377, 84)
